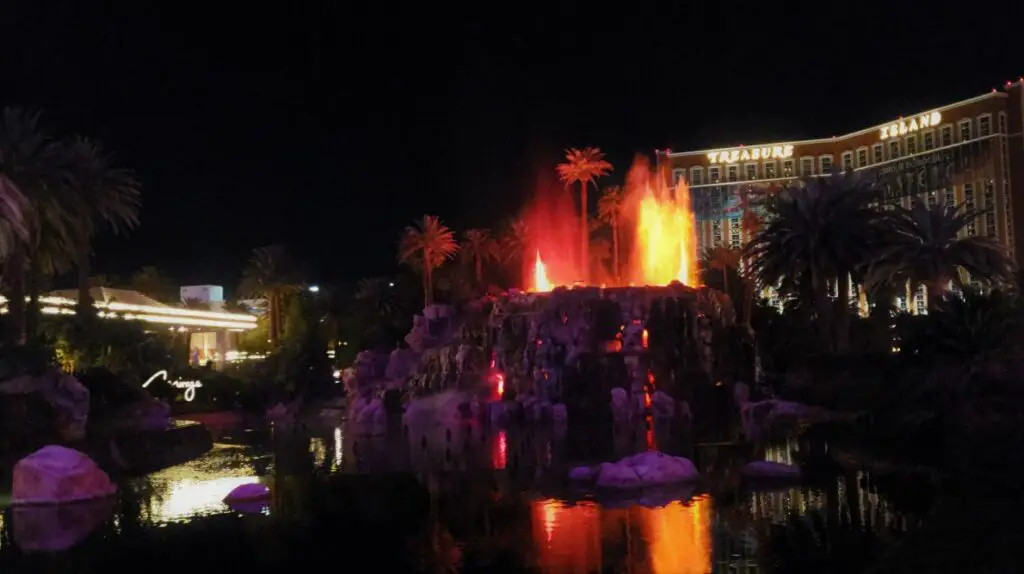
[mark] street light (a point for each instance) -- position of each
(314, 288)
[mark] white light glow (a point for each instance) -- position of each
(149, 313)
(188, 386)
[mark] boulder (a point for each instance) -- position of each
(645, 469)
(64, 393)
(662, 405)
(253, 491)
(583, 473)
(55, 474)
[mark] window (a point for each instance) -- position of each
(989, 203)
(931, 199)
(894, 149)
(911, 145)
(735, 241)
(788, 168)
(946, 136)
(714, 174)
(972, 226)
(878, 158)
(985, 125)
(716, 232)
(733, 172)
(807, 166)
(847, 160)
(1002, 122)
(965, 130)
(948, 197)
(751, 171)
(929, 140)
(696, 176)
(825, 163)
(862, 157)
(677, 175)
(769, 169)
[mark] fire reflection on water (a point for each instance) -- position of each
(673, 539)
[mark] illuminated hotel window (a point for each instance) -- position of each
(929, 140)
(735, 242)
(1002, 122)
(932, 198)
(696, 176)
(714, 174)
(733, 172)
(965, 130)
(678, 174)
(894, 149)
(788, 169)
(825, 162)
(847, 160)
(862, 157)
(972, 227)
(946, 135)
(911, 145)
(751, 170)
(989, 203)
(985, 125)
(807, 166)
(878, 153)
(769, 169)
(948, 197)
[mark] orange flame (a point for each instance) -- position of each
(541, 284)
(656, 235)
(666, 245)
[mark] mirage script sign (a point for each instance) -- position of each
(188, 386)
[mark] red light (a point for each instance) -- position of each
(501, 384)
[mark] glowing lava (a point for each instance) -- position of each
(666, 245)
(541, 284)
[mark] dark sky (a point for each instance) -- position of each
(329, 126)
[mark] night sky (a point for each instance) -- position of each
(329, 126)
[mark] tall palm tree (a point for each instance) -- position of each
(515, 241)
(479, 247)
(583, 166)
(33, 179)
(927, 245)
(427, 245)
(609, 210)
(111, 200)
(271, 275)
(816, 235)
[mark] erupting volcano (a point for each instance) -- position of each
(656, 229)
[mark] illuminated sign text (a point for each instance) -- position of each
(904, 127)
(188, 386)
(751, 154)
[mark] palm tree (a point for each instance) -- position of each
(515, 241)
(817, 235)
(427, 245)
(724, 260)
(31, 174)
(583, 166)
(609, 210)
(928, 245)
(271, 275)
(112, 199)
(479, 247)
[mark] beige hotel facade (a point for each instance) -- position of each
(967, 153)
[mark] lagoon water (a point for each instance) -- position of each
(486, 502)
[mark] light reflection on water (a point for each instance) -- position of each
(196, 488)
(545, 532)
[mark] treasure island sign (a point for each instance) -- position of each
(903, 127)
(750, 154)
(188, 386)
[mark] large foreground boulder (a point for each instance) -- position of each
(55, 474)
(68, 398)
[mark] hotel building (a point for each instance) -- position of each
(966, 153)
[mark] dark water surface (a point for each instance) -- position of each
(478, 502)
